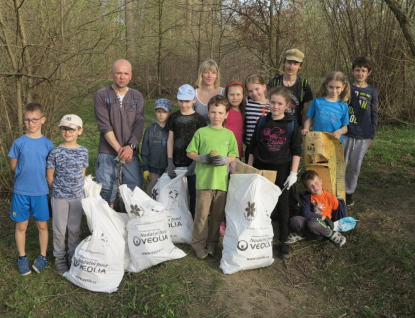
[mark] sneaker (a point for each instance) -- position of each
(60, 265)
(40, 263)
(23, 264)
(283, 251)
(201, 254)
(211, 250)
(294, 237)
(349, 199)
(338, 239)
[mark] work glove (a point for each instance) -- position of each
(292, 178)
(205, 158)
(329, 223)
(147, 177)
(220, 160)
(170, 168)
(191, 169)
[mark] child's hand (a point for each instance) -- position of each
(191, 169)
(337, 133)
(147, 176)
(305, 131)
(205, 158)
(329, 222)
(171, 168)
(220, 160)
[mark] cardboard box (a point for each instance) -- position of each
(242, 168)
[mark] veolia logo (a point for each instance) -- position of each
(136, 241)
(242, 245)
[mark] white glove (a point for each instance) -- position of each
(292, 178)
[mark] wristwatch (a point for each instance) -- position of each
(132, 146)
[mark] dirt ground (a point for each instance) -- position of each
(290, 289)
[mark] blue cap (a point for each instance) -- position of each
(186, 92)
(163, 103)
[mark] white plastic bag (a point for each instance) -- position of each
(247, 243)
(149, 239)
(98, 262)
(91, 188)
(172, 193)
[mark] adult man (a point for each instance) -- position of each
(119, 111)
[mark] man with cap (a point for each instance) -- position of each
(119, 111)
(301, 96)
(154, 146)
(301, 93)
(182, 125)
(65, 171)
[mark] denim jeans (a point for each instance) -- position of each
(106, 170)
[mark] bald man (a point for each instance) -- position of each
(119, 111)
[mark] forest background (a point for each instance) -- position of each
(60, 52)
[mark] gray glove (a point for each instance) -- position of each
(329, 223)
(220, 160)
(170, 168)
(191, 169)
(205, 158)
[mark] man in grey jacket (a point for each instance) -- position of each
(119, 111)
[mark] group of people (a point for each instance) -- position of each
(205, 137)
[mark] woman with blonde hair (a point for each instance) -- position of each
(207, 86)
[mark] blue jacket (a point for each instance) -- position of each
(154, 149)
(307, 208)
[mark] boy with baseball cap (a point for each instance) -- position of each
(66, 167)
(182, 125)
(154, 146)
(301, 93)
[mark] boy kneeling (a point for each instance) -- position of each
(319, 209)
(212, 175)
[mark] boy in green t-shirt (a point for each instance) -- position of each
(212, 175)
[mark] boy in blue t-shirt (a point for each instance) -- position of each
(66, 167)
(28, 161)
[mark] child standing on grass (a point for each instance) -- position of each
(318, 211)
(212, 175)
(28, 161)
(66, 167)
(257, 105)
(154, 146)
(182, 125)
(276, 145)
(329, 111)
(235, 94)
(363, 115)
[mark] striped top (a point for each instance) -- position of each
(253, 111)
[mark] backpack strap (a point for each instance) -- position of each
(260, 123)
(304, 88)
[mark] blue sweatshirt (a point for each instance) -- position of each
(363, 112)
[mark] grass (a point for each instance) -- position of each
(373, 275)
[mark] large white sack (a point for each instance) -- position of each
(172, 193)
(247, 243)
(91, 188)
(98, 262)
(149, 239)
